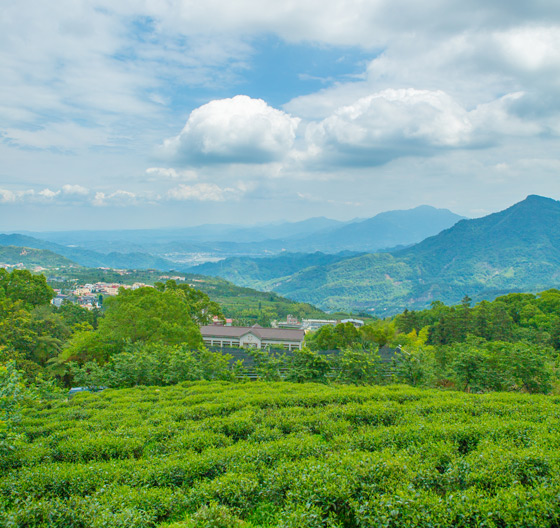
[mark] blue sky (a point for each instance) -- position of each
(153, 114)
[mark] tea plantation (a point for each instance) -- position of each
(284, 455)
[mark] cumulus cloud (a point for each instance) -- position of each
(203, 192)
(7, 196)
(27, 195)
(117, 198)
(161, 173)
(48, 194)
(78, 190)
(392, 123)
(236, 130)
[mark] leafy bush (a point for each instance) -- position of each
(211, 454)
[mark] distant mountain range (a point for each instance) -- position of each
(517, 249)
(383, 231)
(30, 257)
(89, 258)
(514, 250)
(189, 246)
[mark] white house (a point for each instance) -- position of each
(252, 336)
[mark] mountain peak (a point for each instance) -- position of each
(533, 199)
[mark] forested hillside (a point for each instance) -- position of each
(90, 258)
(29, 257)
(516, 249)
(151, 336)
(262, 272)
(244, 305)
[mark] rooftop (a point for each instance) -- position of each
(287, 334)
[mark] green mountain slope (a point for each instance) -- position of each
(250, 306)
(515, 249)
(30, 257)
(90, 258)
(258, 272)
(246, 305)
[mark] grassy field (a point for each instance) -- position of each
(285, 455)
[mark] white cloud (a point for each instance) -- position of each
(530, 48)
(117, 198)
(236, 130)
(114, 79)
(203, 192)
(161, 173)
(57, 135)
(48, 194)
(497, 119)
(75, 190)
(392, 123)
(27, 195)
(7, 196)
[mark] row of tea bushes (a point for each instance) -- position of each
(285, 455)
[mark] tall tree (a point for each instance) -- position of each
(146, 315)
(22, 285)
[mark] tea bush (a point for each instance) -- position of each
(277, 454)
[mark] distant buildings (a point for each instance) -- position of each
(224, 322)
(88, 295)
(311, 325)
(356, 322)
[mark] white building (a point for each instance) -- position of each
(252, 336)
(310, 325)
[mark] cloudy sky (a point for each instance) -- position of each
(179, 112)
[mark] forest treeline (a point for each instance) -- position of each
(150, 336)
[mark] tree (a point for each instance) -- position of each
(201, 309)
(153, 364)
(468, 367)
(16, 335)
(308, 366)
(268, 366)
(359, 366)
(379, 332)
(415, 367)
(22, 285)
(12, 393)
(145, 315)
(337, 337)
(74, 314)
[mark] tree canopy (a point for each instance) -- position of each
(166, 314)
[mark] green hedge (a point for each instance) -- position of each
(211, 454)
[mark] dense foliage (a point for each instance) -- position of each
(45, 341)
(152, 364)
(511, 343)
(150, 336)
(286, 456)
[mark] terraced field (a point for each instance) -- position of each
(285, 455)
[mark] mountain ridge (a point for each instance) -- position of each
(89, 258)
(517, 249)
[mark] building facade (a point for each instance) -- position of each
(252, 336)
